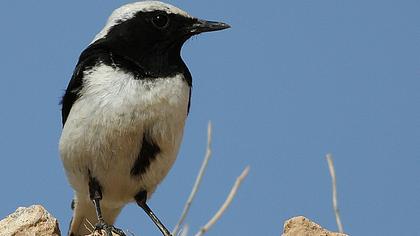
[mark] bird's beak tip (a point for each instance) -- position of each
(207, 26)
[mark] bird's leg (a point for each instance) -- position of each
(141, 198)
(95, 194)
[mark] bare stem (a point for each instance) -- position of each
(184, 230)
(197, 181)
(334, 192)
(226, 204)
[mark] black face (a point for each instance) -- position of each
(152, 40)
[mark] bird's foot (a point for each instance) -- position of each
(109, 229)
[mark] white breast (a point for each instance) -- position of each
(104, 129)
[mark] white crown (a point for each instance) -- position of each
(127, 11)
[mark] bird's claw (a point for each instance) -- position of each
(109, 229)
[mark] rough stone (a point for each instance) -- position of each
(301, 226)
(33, 220)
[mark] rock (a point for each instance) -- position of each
(301, 226)
(33, 220)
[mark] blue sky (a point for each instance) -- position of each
(288, 83)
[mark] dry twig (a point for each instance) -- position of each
(184, 230)
(334, 192)
(197, 181)
(226, 204)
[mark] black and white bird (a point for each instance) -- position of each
(124, 111)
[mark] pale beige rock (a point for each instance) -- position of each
(35, 220)
(29, 221)
(301, 226)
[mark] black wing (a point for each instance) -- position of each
(89, 57)
(72, 92)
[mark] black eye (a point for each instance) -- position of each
(160, 21)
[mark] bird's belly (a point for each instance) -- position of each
(105, 138)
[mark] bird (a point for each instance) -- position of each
(124, 111)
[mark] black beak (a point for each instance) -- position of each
(201, 26)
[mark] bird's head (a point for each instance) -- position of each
(151, 33)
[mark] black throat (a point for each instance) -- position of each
(143, 64)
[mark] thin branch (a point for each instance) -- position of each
(184, 231)
(197, 181)
(226, 204)
(334, 193)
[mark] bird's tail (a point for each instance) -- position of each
(85, 218)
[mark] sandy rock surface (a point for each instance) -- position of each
(33, 220)
(301, 226)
